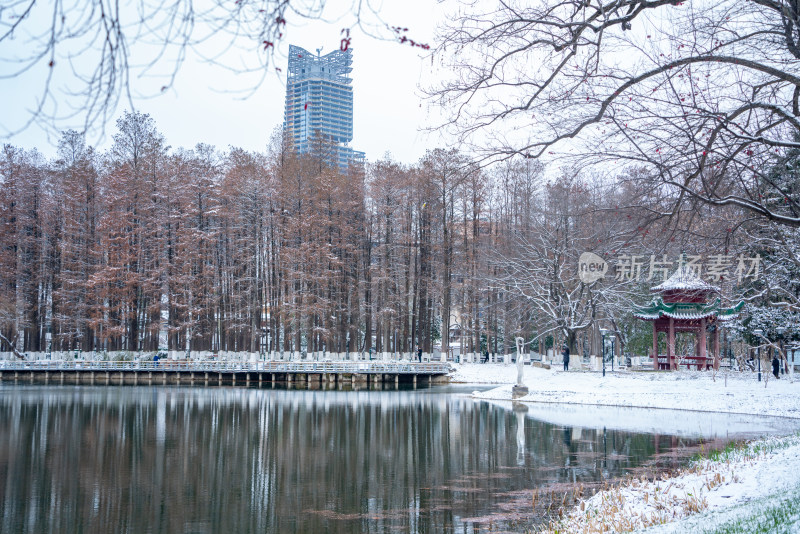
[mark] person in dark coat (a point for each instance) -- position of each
(419, 353)
(776, 366)
(565, 355)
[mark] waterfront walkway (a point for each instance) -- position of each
(231, 372)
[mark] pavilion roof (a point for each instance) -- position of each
(687, 310)
(683, 279)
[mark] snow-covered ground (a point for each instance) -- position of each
(744, 486)
(710, 494)
(741, 393)
(683, 423)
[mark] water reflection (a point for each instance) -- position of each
(519, 410)
(172, 459)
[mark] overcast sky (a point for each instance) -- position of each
(206, 105)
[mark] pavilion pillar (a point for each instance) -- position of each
(716, 347)
(671, 344)
(696, 350)
(703, 342)
(655, 347)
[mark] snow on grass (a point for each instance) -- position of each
(678, 390)
(740, 489)
(778, 513)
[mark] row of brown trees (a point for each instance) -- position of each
(143, 248)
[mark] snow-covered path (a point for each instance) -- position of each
(680, 390)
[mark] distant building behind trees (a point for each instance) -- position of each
(318, 119)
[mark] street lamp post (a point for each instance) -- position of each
(758, 332)
(603, 333)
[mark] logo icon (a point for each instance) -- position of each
(591, 267)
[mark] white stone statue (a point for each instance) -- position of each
(519, 390)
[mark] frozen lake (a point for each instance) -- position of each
(184, 459)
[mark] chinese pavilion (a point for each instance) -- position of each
(683, 305)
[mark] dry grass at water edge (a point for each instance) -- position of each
(640, 502)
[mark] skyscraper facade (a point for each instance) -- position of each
(318, 117)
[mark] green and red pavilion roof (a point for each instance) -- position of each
(687, 310)
(685, 280)
(684, 296)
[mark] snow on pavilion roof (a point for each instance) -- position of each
(683, 279)
(687, 310)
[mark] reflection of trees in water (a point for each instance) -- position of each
(585, 455)
(237, 460)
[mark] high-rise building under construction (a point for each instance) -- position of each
(319, 106)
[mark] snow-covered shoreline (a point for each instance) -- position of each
(704, 495)
(708, 494)
(739, 393)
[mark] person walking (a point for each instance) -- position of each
(419, 353)
(776, 366)
(565, 355)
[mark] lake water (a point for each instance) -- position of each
(219, 460)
